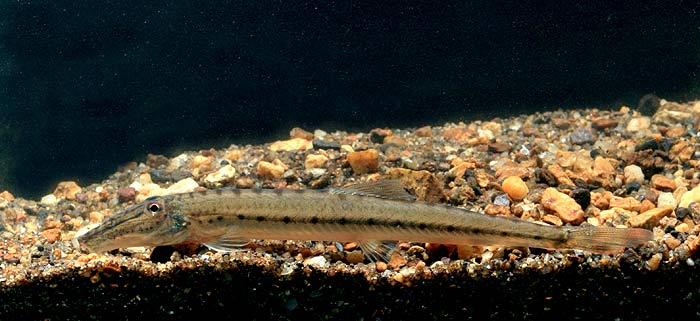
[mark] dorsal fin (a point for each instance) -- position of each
(389, 189)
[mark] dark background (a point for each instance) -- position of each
(88, 85)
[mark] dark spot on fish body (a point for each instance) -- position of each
(504, 233)
(476, 231)
(370, 221)
(210, 221)
(537, 237)
(219, 218)
(397, 223)
(422, 226)
(241, 217)
(342, 221)
(450, 228)
(314, 220)
(260, 218)
(286, 220)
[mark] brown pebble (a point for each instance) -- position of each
(682, 228)
(654, 262)
(297, 132)
(67, 190)
(381, 267)
(155, 161)
(425, 131)
(291, 145)
(396, 261)
(51, 235)
(672, 242)
(561, 123)
(498, 147)
(603, 122)
(245, 182)
(126, 194)
(663, 183)
(355, 257)
(7, 196)
(364, 161)
(552, 219)
(566, 207)
(515, 188)
(650, 218)
(270, 170)
(315, 161)
(626, 203)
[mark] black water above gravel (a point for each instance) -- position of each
(88, 85)
(251, 293)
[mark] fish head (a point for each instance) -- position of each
(154, 222)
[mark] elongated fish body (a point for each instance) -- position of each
(225, 219)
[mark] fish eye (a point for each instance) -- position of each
(154, 207)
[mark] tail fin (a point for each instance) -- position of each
(607, 239)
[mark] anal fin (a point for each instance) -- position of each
(377, 250)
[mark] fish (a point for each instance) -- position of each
(374, 214)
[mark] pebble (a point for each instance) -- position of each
(566, 207)
(49, 200)
(690, 196)
(269, 170)
(638, 124)
(650, 218)
(315, 161)
(182, 186)
(96, 217)
(396, 261)
(582, 136)
(201, 163)
(663, 183)
(634, 174)
(220, 176)
(682, 228)
(672, 242)
(355, 257)
(364, 161)
(603, 122)
(560, 175)
(323, 144)
(126, 194)
(626, 203)
(552, 219)
(297, 132)
(654, 262)
(515, 188)
(51, 235)
(67, 190)
(425, 131)
(317, 262)
(291, 145)
(666, 199)
(6, 196)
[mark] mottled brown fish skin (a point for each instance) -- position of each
(331, 216)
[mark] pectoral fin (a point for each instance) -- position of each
(377, 250)
(228, 242)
